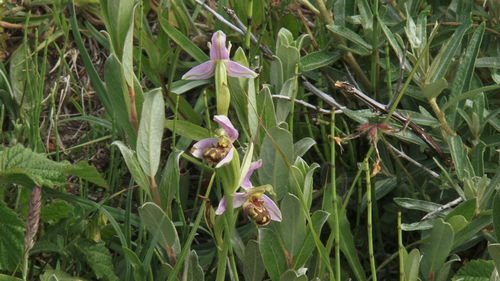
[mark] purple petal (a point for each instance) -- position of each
(246, 184)
(226, 124)
(202, 71)
(235, 69)
(218, 50)
(200, 147)
(239, 199)
(272, 208)
(226, 159)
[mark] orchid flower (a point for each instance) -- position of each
(219, 54)
(217, 150)
(220, 66)
(256, 204)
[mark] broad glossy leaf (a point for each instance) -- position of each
(303, 145)
(415, 204)
(494, 251)
(318, 218)
(55, 275)
(87, 172)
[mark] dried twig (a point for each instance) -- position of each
(308, 105)
(443, 207)
(411, 160)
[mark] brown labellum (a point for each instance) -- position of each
(256, 210)
(215, 154)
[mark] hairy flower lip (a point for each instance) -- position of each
(250, 195)
(219, 53)
(230, 134)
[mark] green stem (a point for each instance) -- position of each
(187, 246)
(401, 249)
(369, 219)
(335, 200)
(226, 246)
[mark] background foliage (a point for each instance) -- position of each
(400, 183)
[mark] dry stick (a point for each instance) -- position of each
(375, 105)
(411, 160)
(308, 105)
(443, 207)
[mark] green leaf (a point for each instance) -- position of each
(133, 166)
(463, 166)
(11, 240)
(347, 245)
(283, 107)
(437, 249)
(118, 93)
(318, 59)
(318, 219)
(56, 211)
(463, 76)
(276, 152)
(169, 183)
(4, 277)
(468, 95)
(415, 204)
(442, 61)
(366, 14)
(290, 57)
(303, 145)
(118, 16)
(159, 225)
(293, 225)
(494, 251)
(187, 129)
(489, 62)
(193, 268)
(412, 265)
(87, 172)
(435, 88)
(183, 86)
(349, 35)
(182, 41)
(151, 132)
(466, 209)
(272, 253)
(99, 259)
(265, 106)
(475, 270)
(18, 74)
(21, 163)
(496, 215)
(133, 259)
(253, 267)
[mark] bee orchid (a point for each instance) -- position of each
(219, 54)
(254, 202)
(219, 150)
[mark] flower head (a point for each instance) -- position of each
(219, 53)
(219, 150)
(254, 202)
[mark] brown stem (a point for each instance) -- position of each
(154, 190)
(133, 108)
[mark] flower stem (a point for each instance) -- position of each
(369, 219)
(226, 246)
(187, 246)
(334, 195)
(223, 97)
